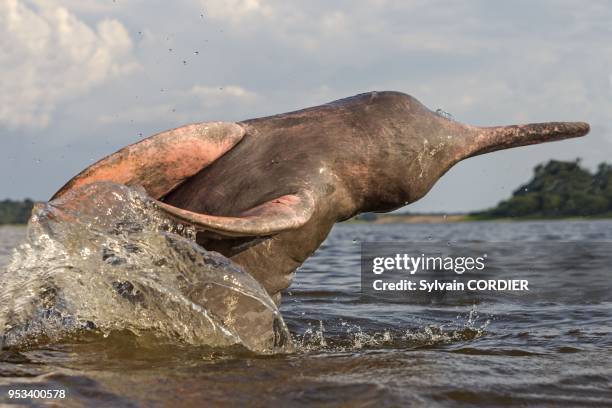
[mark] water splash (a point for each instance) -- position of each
(104, 259)
(444, 114)
(350, 337)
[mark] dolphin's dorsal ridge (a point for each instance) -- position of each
(162, 162)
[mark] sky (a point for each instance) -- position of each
(83, 78)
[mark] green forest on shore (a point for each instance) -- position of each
(558, 189)
(15, 212)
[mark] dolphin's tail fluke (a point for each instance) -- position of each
(490, 139)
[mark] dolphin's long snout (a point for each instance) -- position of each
(490, 139)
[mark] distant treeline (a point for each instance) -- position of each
(15, 212)
(559, 189)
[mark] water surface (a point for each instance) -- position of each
(495, 350)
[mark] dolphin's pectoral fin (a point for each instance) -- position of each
(163, 161)
(284, 213)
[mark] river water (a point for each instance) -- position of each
(549, 349)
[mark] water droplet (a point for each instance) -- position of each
(196, 52)
(444, 114)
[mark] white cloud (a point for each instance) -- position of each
(50, 56)
(301, 24)
(238, 10)
(87, 6)
(216, 95)
(316, 26)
